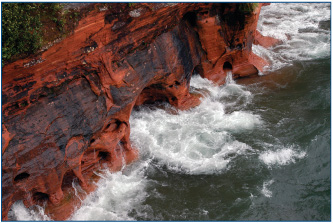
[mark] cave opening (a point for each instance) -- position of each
(104, 156)
(93, 156)
(40, 197)
(68, 179)
(227, 66)
(191, 17)
(113, 125)
(21, 177)
(152, 94)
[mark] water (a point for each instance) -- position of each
(255, 149)
(304, 29)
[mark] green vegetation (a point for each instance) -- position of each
(248, 7)
(24, 27)
(131, 4)
(20, 29)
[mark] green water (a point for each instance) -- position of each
(294, 103)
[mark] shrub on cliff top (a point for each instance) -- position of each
(22, 27)
(248, 7)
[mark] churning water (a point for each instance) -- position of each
(255, 149)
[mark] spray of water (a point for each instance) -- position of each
(281, 157)
(228, 79)
(118, 194)
(198, 141)
(19, 212)
(304, 29)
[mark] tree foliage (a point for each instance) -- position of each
(22, 27)
(248, 7)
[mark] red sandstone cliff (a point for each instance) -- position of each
(66, 110)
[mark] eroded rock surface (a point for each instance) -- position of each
(66, 110)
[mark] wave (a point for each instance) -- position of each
(198, 141)
(304, 29)
(281, 157)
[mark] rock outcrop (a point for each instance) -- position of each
(65, 111)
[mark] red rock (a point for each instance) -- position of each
(265, 41)
(67, 115)
(6, 137)
(226, 37)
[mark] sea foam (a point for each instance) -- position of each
(265, 191)
(281, 157)
(118, 194)
(299, 27)
(198, 141)
(19, 212)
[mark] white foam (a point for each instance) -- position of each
(19, 212)
(116, 196)
(198, 141)
(297, 25)
(281, 157)
(228, 79)
(265, 191)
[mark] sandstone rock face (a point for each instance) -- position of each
(226, 36)
(265, 41)
(66, 110)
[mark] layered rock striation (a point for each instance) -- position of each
(65, 111)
